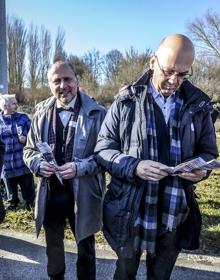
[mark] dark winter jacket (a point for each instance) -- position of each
(122, 143)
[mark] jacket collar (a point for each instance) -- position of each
(195, 96)
(191, 94)
(88, 104)
(134, 90)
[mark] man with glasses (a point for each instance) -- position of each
(160, 120)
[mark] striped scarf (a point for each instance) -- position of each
(174, 201)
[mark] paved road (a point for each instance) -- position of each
(22, 257)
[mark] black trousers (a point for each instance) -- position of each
(59, 209)
(158, 267)
(26, 183)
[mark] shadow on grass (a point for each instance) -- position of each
(210, 236)
(212, 203)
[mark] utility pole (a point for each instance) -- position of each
(3, 50)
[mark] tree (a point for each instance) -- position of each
(59, 53)
(17, 41)
(112, 62)
(206, 76)
(206, 32)
(79, 66)
(33, 57)
(84, 75)
(132, 65)
(45, 55)
(94, 60)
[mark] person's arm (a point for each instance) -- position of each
(26, 123)
(215, 113)
(31, 155)
(80, 167)
(34, 159)
(117, 163)
(108, 147)
(206, 148)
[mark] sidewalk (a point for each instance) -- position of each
(22, 257)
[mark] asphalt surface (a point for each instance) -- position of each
(22, 257)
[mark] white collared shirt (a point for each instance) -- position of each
(65, 115)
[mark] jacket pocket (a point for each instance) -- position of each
(115, 219)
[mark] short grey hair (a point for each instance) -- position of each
(5, 100)
(61, 63)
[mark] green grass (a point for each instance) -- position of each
(20, 220)
(208, 193)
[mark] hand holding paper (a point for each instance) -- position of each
(50, 166)
(194, 164)
(193, 176)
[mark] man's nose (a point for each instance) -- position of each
(62, 83)
(173, 78)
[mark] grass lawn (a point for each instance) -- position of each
(208, 193)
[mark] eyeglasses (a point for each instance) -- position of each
(180, 75)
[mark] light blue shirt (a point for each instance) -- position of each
(165, 104)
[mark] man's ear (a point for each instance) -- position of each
(153, 60)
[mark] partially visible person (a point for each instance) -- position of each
(215, 112)
(2, 149)
(69, 122)
(161, 120)
(15, 172)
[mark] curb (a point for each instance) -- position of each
(185, 259)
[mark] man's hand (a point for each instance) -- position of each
(68, 170)
(194, 176)
(150, 170)
(46, 169)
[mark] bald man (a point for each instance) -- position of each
(161, 120)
